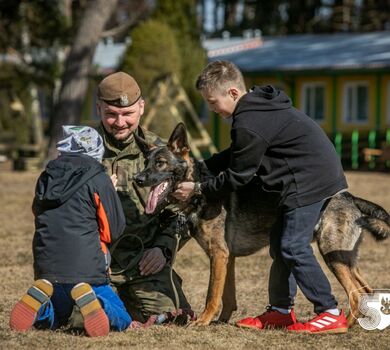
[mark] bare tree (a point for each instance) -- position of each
(230, 16)
(375, 15)
(302, 16)
(74, 83)
(342, 17)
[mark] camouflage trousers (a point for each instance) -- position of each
(152, 295)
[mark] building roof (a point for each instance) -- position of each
(303, 52)
(227, 45)
(339, 51)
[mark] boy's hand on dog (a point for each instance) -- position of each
(152, 261)
(184, 191)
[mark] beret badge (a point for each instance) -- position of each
(123, 100)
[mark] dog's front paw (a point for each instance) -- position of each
(202, 321)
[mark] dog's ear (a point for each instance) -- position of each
(143, 145)
(178, 142)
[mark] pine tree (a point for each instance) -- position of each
(181, 17)
(154, 52)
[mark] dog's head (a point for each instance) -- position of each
(165, 167)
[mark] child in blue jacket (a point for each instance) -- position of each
(77, 217)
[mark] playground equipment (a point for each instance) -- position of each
(169, 105)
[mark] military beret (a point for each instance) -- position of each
(119, 89)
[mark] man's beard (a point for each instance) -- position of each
(122, 136)
(121, 142)
(124, 139)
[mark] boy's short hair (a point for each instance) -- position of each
(220, 75)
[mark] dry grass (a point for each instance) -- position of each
(16, 229)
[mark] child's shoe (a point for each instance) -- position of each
(25, 311)
(323, 323)
(269, 319)
(96, 322)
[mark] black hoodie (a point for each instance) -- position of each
(77, 213)
(286, 149)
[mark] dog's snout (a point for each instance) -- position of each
(140, 178)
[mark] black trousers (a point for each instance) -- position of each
(294, 262)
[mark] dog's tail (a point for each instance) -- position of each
(376, 220)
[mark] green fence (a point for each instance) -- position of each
(350, 148)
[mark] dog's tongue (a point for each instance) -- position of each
(153, 198)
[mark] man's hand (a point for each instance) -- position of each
(184, 191)
(114, 180)
(152, 261)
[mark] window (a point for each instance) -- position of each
(313, 100)
(356, 102)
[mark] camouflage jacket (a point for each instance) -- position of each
(142, 231)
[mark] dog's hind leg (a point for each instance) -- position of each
(363, 283)
(344, 275)
(229, 301)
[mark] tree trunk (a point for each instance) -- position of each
(374, 15)
(342, 15)
(77, 67)
(230, 15)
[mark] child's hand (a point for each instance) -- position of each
(184, 191)
(152, 261)
(114, 180)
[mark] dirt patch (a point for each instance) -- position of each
(16, 231)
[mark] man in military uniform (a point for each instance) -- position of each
(141, 258)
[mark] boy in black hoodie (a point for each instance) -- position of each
(77, 216)
(295, 161)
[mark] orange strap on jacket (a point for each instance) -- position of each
(104, 227)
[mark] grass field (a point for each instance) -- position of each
(16, 230)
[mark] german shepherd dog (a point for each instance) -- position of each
(239, 225)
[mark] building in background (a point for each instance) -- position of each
(341, 80)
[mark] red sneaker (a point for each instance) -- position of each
(269, 319)
(323, 323)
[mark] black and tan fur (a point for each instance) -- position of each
(239, 226)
